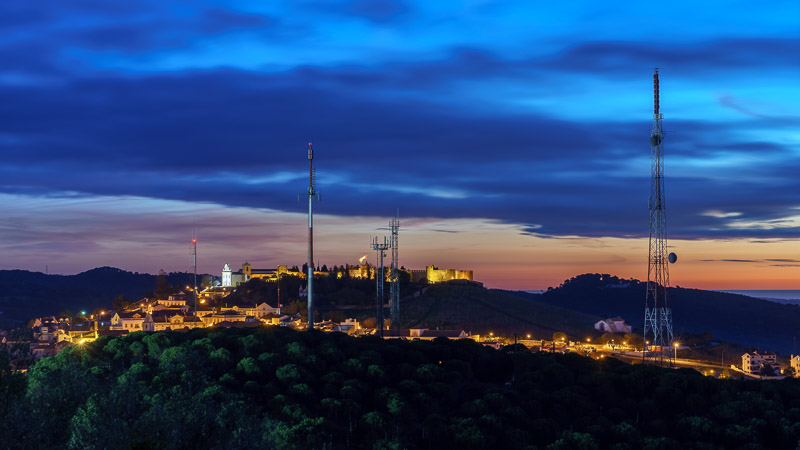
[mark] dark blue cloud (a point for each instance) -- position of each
(381, 12)
(401, 132)
(629, 58)
(165, 137)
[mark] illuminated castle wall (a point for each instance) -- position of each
(436, 275)
(364, 271)
(431, 273)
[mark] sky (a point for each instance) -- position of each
(511, 137)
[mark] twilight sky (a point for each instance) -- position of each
(511, 136)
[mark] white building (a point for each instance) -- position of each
(613, 325)
(128, 320)
(233, 279)
(226, 275)
(753, 362)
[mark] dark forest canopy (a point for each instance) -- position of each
(278, 388)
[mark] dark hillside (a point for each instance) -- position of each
(730, 317)
(25, 295)
(480, 310)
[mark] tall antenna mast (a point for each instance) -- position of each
(194, 266)
(657, 311)
(394, 293)
(312, 193)
(380, 249)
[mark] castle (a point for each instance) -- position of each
(362, 271)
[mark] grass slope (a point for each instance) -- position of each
(481, 310)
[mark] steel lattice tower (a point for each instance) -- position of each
(394, 277)
(657, 312)
(193, 251)
(380, 248)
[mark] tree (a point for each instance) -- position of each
(336, 316)
(120, 302)
(634, 340)
(767, 371)
(789, 371)
(608, 337)
(163, 289)
(295, 307)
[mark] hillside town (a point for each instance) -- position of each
(214, 306)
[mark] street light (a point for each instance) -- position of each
(676, 351)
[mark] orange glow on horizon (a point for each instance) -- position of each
(500, 254)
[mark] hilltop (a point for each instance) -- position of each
(731, 317)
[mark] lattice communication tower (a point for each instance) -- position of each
(193, 254)
(657, 313)
(380, 248)
(394, 277)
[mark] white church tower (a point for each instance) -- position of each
(226, 276)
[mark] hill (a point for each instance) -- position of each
(482, 310)
(275, 388)
(730, 317)
(24, 294)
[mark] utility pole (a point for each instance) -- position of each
(312, 194)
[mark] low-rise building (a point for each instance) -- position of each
(260, 309)
(425, 334)
(224, 316)
(170, 321)
(177, 300)
(753, 362)
(348, 326)
(613, 325)
(795, 364)
(128, 320)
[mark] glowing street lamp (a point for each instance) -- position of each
(676, 351)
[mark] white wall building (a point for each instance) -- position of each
(226, 275)
(753, 362)
(613, 325)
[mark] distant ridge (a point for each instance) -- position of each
(731, 317)
(25, 294)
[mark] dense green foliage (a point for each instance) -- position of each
(278, 388)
